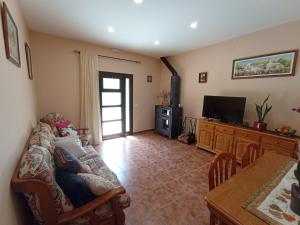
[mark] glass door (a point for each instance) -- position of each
(115, 104)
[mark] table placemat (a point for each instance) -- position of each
(271, 203)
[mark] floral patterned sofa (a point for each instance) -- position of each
(34, 176)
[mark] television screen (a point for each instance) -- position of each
(225, 109)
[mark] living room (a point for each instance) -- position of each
(214, 50)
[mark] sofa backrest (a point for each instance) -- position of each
(37, 163)
(52, 119)
(42, 135)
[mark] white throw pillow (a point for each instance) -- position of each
(72, 147)
(68, 139)
(98, 185)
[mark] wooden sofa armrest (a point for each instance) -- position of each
(44, 194)
(37, 187)
(81, 211)
(83, 131)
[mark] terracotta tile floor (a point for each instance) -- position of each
(166, 180)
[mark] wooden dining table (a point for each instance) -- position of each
(226, 200)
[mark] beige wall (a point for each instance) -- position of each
(17, 117)
(217, 61)
(57, 76)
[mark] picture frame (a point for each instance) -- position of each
(149, 79)
(29, 61)
(11, 37)
(279, 64)
(202, 77)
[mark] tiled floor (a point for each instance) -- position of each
(166, 180)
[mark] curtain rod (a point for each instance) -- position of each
(115, 58)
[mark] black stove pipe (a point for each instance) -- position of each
(175, 83)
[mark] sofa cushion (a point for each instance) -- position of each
(66, 128)
(72, 147)
(63, 124)
(43, 139)
(99, 168)
(37, 163)
(64, 132)
(44, 128)
(74, 139)
(74, 187)
(52, 119)
(97, 184)
(66, 160)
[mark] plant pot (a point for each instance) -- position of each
(295, 199)
(260, 126)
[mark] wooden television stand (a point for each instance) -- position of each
(220, 137)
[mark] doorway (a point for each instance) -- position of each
(116, 97)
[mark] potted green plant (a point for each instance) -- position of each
(295, 192)
(262, 111)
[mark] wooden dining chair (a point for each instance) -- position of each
(221, 169)
(251, 154)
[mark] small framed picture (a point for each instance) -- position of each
(29, 61)
(203, 77)
(149, 79)
(11, 38)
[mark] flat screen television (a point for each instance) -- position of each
(225, 109)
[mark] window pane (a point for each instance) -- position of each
(109, 128)
(127, 106)
(113, 113)
(111, 83)
(111, 98)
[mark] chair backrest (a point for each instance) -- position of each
(221, 169)
(251, 154)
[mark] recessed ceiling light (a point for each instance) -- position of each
(156, 42)
(138, 1)
(111, 29)
(194, 25)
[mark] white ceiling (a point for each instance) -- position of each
(138, 26)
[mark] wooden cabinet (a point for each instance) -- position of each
(219, 137)
(223, 139)
(239, 146)
(222, 142)
(279, 145)
(205, 139)
(242, 139)
(205, 136)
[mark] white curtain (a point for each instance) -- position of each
(89, 96)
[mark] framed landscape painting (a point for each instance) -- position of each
(11, 39)
(272, 65)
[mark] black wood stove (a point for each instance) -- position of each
(168, 120)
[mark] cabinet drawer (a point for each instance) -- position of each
(284, 152)
(206, 126)
(272, 148)
(247, 135)
(225, 130)
(289, 145)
